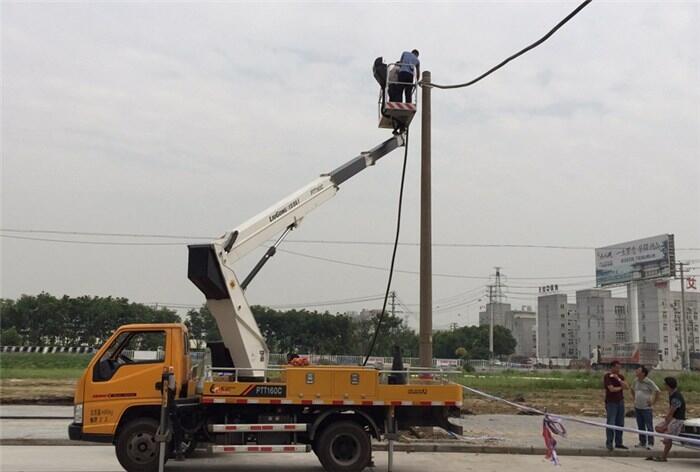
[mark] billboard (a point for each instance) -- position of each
(643, 259)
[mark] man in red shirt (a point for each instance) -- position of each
(615, 385)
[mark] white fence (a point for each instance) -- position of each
(484, 364)
(48, 349)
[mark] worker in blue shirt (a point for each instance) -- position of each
(409, 65)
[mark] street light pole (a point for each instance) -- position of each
(426, 257)
(684, 324)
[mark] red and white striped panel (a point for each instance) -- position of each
(315, 402)
(400, 106)
(280, 448)
(284, 427)
(246, 401)
(426, 403)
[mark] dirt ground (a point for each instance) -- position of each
(37, 391)
(566, 402)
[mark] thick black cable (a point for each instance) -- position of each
(517, 54)
(393, 254)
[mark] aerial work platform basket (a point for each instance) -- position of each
(397, 99)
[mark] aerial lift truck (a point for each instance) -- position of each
(240, 404)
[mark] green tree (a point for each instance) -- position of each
(74, 321)
(475, 341)
(10, 337)
(202, 326)
(306, 331)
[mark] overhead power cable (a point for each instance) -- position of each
(91, 243)
(435, 274)
(517, 54)
(318, 258)
(347, 301)
(185, 239)
(96, 233)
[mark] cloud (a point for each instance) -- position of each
(189, 118)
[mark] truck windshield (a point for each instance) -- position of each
(134, 347)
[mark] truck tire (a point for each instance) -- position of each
(136, 446)
(344, 447)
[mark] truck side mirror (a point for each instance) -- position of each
(103, 370)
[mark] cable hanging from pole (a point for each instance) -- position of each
(514, 56)
(393, 255)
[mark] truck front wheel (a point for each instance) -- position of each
(344, 447)
(136, 447)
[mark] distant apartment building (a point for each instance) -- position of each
(524, 322)
(519, 322)
(597, 318)
(657, 323)
(501, 315)
(600, 319)
(556, 326)
(692, 303)
(660, 321)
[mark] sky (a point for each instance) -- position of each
(186, 119)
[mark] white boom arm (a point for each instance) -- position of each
(210, 265)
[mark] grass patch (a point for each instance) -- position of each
(54, 374)
(15, 365)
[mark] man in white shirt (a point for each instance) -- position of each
(645, 393)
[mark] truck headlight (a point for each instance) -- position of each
(78, 413)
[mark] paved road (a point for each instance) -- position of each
(487, 430)
(55, 411)
(101, 459)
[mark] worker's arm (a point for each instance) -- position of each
(654, 398)
(669, 416)
(623, 383)
(613, 388)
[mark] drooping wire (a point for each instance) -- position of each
(517, 54)
(393, 254)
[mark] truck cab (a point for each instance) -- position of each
(123, 378)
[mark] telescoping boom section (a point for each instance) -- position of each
(210, 266)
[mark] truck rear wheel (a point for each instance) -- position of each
(137, 448)
(344, 447)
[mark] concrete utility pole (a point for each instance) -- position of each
(425, 348)
(684, 325)
(491, 322)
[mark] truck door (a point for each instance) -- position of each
(125, 375)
